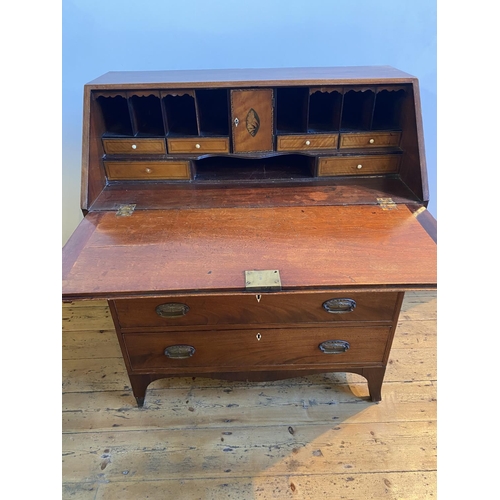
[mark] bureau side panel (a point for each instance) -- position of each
(93, 177)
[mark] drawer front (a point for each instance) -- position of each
(370, 140)
(358, 165)
(134, 146)
(306, 142)
(148, 170)
(240, 349)
(198, 145)
(245, 309)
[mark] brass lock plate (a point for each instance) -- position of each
(262, 281)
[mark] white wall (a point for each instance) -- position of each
(112, 35)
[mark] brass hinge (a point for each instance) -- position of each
(125, 210)
(386, 204)
(419, 211)
(262, 281)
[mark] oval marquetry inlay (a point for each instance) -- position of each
(253, 122)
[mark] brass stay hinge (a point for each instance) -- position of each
(387, 204)
(125, 210)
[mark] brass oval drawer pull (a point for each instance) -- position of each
(172, 310)
(179, 351)
(335, 306)
(334, 346)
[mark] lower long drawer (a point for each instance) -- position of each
(255, 349)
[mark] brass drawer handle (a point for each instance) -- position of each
(335, 306)
(334, 346)
(172, 310)
(179, 351)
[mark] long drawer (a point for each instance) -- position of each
(259, 349)
(248, 309)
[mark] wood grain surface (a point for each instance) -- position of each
(157, 251)
(245, 77)
(320, 191)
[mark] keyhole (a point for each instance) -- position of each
(258, 336)
(258, 297)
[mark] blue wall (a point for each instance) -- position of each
(107, 35)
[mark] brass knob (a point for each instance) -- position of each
(359, 167)
(308, 143)
(197, 146)
(148, 170)
(371, 141)
(134, 146)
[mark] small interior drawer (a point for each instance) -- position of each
(358, 165)
(147, 170)
(246, 309)
(198, 145)
(306, 142)
(370, 140)
(134, 146)
(256, 348)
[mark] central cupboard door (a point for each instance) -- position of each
(252, 120)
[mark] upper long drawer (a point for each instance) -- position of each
(247, 309)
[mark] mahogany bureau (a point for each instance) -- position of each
(253, 224)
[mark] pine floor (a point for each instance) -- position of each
(316, 437)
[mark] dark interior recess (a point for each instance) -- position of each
(213, 111)
(357, 110)
(181, 114)
(291, 109)
(148, 116)
(324, 111)
(224, 168)
(116, 115)
(387, 113)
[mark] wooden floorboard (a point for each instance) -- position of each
(307, 438)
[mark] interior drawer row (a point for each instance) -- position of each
(220, 145)
(327, 166)
(251, 309)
